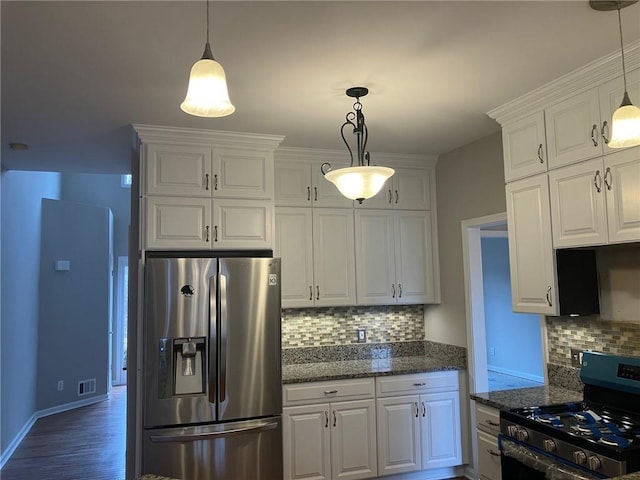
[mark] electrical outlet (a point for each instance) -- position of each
(492, 351)
(576, 357)
(362, 335)
(60, 385)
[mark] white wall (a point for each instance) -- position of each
(21, 209)
(470, 184)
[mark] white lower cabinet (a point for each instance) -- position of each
(419, 431)
(330, 440)
(487, 429)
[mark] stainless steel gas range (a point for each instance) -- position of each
(593, 439)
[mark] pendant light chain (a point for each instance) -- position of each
(624, 72)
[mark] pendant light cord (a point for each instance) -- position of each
(624, 73)
(208, 23)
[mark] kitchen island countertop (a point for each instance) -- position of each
(527, 397)
(344, 369)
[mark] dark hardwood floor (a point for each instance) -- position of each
(87, 443)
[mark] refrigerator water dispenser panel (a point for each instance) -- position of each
(188, 366)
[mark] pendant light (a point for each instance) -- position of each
(625, 123)
(207, 94)
(364, 180)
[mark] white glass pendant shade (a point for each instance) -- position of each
(625, 127)
(207, 94)
(359, 183)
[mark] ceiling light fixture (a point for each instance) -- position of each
(207, 94)
(363, 181)
(625, 123)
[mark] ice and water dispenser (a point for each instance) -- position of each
(182, 366)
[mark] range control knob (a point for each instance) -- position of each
(594, 463)
(549, 445)
(580, 457)
(522, 435)
(512, 430)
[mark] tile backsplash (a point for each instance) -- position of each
(315, 327)
(590, 333)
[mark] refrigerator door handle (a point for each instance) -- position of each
(213, 339)
(194, 437)
(224, 314)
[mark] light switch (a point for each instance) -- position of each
(63, 265)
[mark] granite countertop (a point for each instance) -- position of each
(527, 397)
(154, 477)
(630, 476)
(318, 371)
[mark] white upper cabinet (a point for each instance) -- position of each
(242, 173)
(299, 183)
(524, 147)
(597, 202)
(180, 170)
(573, 129)
(407, 189)
(610, 98)
(531, 255)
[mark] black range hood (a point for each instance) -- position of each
(577, 273)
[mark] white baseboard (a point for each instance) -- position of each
(526, 376)
(435, 474)
(6, 455)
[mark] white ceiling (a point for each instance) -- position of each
(76, 74)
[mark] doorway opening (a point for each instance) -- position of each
(119, 364)
(503, 346)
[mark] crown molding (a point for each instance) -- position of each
(584, 78)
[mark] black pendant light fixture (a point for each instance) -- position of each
(625, 123)
(207, 94)
(364, 180)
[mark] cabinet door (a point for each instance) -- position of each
(292, 184)
(573, 129)
(398, 435)
(411, 189)
(375, 258)
(306, 442)
(294, 245)
(242, 224)
(610, 98)
(414, 257)
(524, 147)
(353, 440)
(488, 457)
(440, 430)
(242, 173)
(622, 187)
(531, 257)
(175, 223)
(323, 192)
(334, 269)
(181, 170)
(578, 215)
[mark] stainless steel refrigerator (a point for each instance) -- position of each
(212, 368)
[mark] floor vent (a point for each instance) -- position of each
(86, 387)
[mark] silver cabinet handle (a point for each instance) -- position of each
(608, 174)
(206, 233)
(215, 233)
(315, 194)
(326, 419)
(424, 410)
(597, 181)
(317, 292)
(206, 181)
(419, 384)
(310, 292)
(334, 418)
(215, 182)
(490, 451)
(399, 290)
(417, 410)
(549, 296)
(594, 135)
(493, 424)
(540, 157)
(397, 197)
(604, 132)
(390, 196)
(393, 291)
(308, 193)
(330, 392)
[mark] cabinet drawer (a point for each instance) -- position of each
(488, 418)
(488, 457)
(302, 393)
(430, 382)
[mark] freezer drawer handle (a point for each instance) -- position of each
(204, 436)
